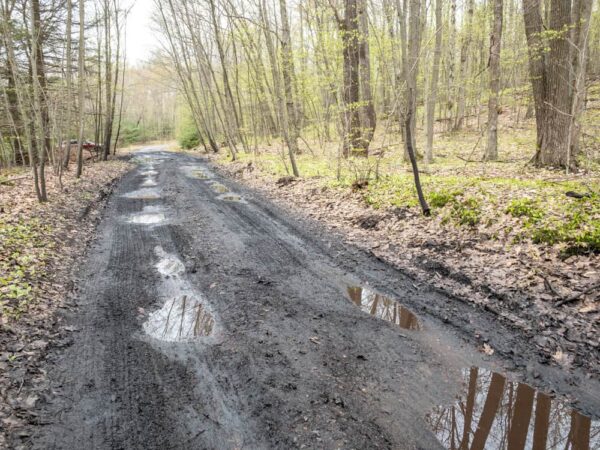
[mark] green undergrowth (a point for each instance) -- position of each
(23, 256)
(540, 210)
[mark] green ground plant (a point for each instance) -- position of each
(23, 255)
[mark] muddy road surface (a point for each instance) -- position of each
(204, 317)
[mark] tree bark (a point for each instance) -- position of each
(411, 72)
(67, 155)
(22, 100)
(353, 143)
(369, 117)
(557, 102)
(40, 103)
(287, 71)
(279, 94)
(491, 153)
(81, 87)
(433, 87)
(464, 66)
(108, 81)
(408, 124)
(226, 85)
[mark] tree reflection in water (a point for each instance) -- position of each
(383, 307)
(495, 413)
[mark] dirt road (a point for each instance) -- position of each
(207, 318)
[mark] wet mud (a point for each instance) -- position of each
(214, 320)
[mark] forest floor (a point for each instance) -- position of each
(205, 316)
(39, 247)
(513, 239)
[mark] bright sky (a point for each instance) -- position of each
(141, 38)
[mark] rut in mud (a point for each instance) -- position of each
(207, 318)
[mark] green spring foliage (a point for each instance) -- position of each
(186, 131)
(23, 256)
(543, 213)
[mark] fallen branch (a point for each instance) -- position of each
(9, 181)
(576, 296)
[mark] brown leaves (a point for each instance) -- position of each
(25, 341)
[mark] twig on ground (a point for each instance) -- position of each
(549, 286)
(578, 295)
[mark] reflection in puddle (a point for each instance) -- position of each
(383, 307)
(168, 265)
(147, 218)
(144, 194)
(150, 172)
(219, 188)
(231, 198)
(150, 215)
(495, 413)
(149, 182)
(197, 172)
(180, 319)
(201, 174)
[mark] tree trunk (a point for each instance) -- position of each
(81, 87)
(408, 125)
(412, 70)
(557, 103)
(353, 143)
(108, 81)
(287, 71)
(369, 117)
(279, 94)
(39, 97)
(432, 98)
(450, 103)
(491, 153)
(464, 66)
(226, 86)
(67, 155)
(122, 97)
(22, 100)
(115, 82)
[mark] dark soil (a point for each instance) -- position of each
(291, 362)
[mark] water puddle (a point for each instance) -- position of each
(180, 319)
(168, 265)
(150, 172)
(493, 412)
(149, 182)
(144, 194)
(219, 188)
(231, 197)
(147, 219)
(150, 215)
(198, 172)
(201, 174)
(383, 307)
(142, 160)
